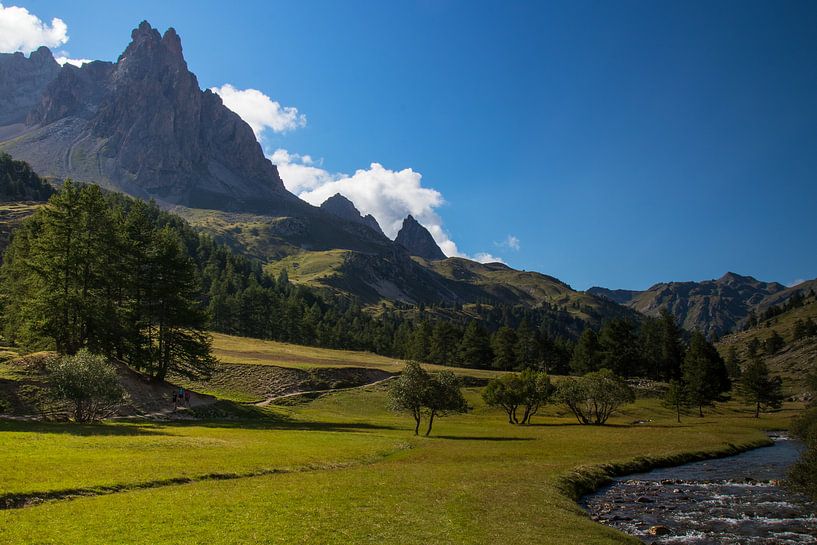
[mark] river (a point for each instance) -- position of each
(726, 501)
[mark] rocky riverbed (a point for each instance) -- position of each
(734, 500)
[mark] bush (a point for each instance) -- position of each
(530, 389)
(87, 384)
(592, 398)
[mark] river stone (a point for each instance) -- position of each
(658, 530)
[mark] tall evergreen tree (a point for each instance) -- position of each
(758, 388)
(586, 357)
(704, 372)
(618, 346)
(475, 346)
(503, 344)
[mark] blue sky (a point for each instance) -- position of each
(618, 143)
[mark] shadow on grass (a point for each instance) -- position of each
(277, 422)
(478, 438)
(85, 430)
(578, 425)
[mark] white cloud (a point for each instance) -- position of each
(62, 60)
(484, 257)
(388, 195)
(260, 111)
(23, 31)
(510, 242)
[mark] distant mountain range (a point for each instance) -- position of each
(714, 307)
(142, 126)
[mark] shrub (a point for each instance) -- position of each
(87, 384)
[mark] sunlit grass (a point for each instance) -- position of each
(476, 480)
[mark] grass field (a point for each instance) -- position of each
(242, 350)
(354, 474)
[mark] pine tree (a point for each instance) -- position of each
(173, 322)
(475, 347)
(586, 356)
(503, 344)
(758, 388)
(619, 348)
(672, 349)
(677, 397)
(774, 343)
(704, 372)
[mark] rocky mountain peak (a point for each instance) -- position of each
(142, 126)
(418, 241)
(342, 207)
(22, 81)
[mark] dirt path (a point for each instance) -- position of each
(273, 399)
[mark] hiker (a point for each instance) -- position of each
(181, 394)
(187, 397)
(175, 397)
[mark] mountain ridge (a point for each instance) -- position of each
(714, 307)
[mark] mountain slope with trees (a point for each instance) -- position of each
(785, 336)
(715, 307)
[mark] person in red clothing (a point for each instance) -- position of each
(187, 397)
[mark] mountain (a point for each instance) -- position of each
(417, 240)
(342, 207)
(714, 307)
(141, 126)
(22, 81)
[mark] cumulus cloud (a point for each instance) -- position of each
(260, 111)
(63, 59)
(23, 31)
(388, 195)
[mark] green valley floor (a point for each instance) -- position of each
(337, 470)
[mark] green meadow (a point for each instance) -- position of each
(339, 469)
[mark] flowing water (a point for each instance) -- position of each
(734, 500)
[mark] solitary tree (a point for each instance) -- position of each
(758, 388)
(408, 391)
(418, 393)
(505, 392)
(676, 398)
(537, 390)
(594, 397)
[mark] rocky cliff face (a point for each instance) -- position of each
(143, 126)
(418, 241)
(342, 207)
(714, 307)
(22, 81)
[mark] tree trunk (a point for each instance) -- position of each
(417, 425)
(430, 423)
(757, 410)
(678, 413)
(701, 411)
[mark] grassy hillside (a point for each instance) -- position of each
(244, 351)
(341, 469)
(378, 272)
(795, 359)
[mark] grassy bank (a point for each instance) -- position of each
(359, 475)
